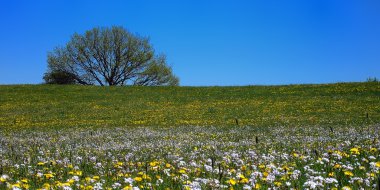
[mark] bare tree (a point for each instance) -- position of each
(110, 56)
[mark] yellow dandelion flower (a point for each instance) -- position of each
(277, 183)
(2, 179)
(348, 173)
(128, 187)
(15, 185)
(257, 186)
(65, 184)
(232, 181)
(244, 180)
(88, 179)
(138, 179)
(355, 151)
(48, 176)
(25, 186)
(241, 176)
(71, 181)
(79, 173)
(146, 177)
(377, 164)
(46, 186)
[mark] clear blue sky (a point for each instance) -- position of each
(211, 42)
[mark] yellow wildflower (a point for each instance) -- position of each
(25, 186)
(48, 176)
(182, 171)
(88, 179)
(354, 151)
(128, 187)
(257, 186)
(244, 180)
(15, 185)
(232, 181)
(146, 177)
(346, 188)
(277, 183)
(79, 173)
(138, 179)
(46, 186)
(348, 173)
(71, 181)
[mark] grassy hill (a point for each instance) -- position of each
(47, 106)
(293, 136)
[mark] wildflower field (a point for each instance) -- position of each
(253, 137)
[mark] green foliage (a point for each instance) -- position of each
(157, 74)
(59, 77)
(110, 56)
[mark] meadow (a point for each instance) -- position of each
(252, 137)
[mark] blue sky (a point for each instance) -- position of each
(212, 42)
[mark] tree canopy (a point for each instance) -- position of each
(108, 56)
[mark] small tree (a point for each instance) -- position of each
(59, 77)
(109, 56)
(372, 79)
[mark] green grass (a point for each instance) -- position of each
(295, 136)
(52, 106)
